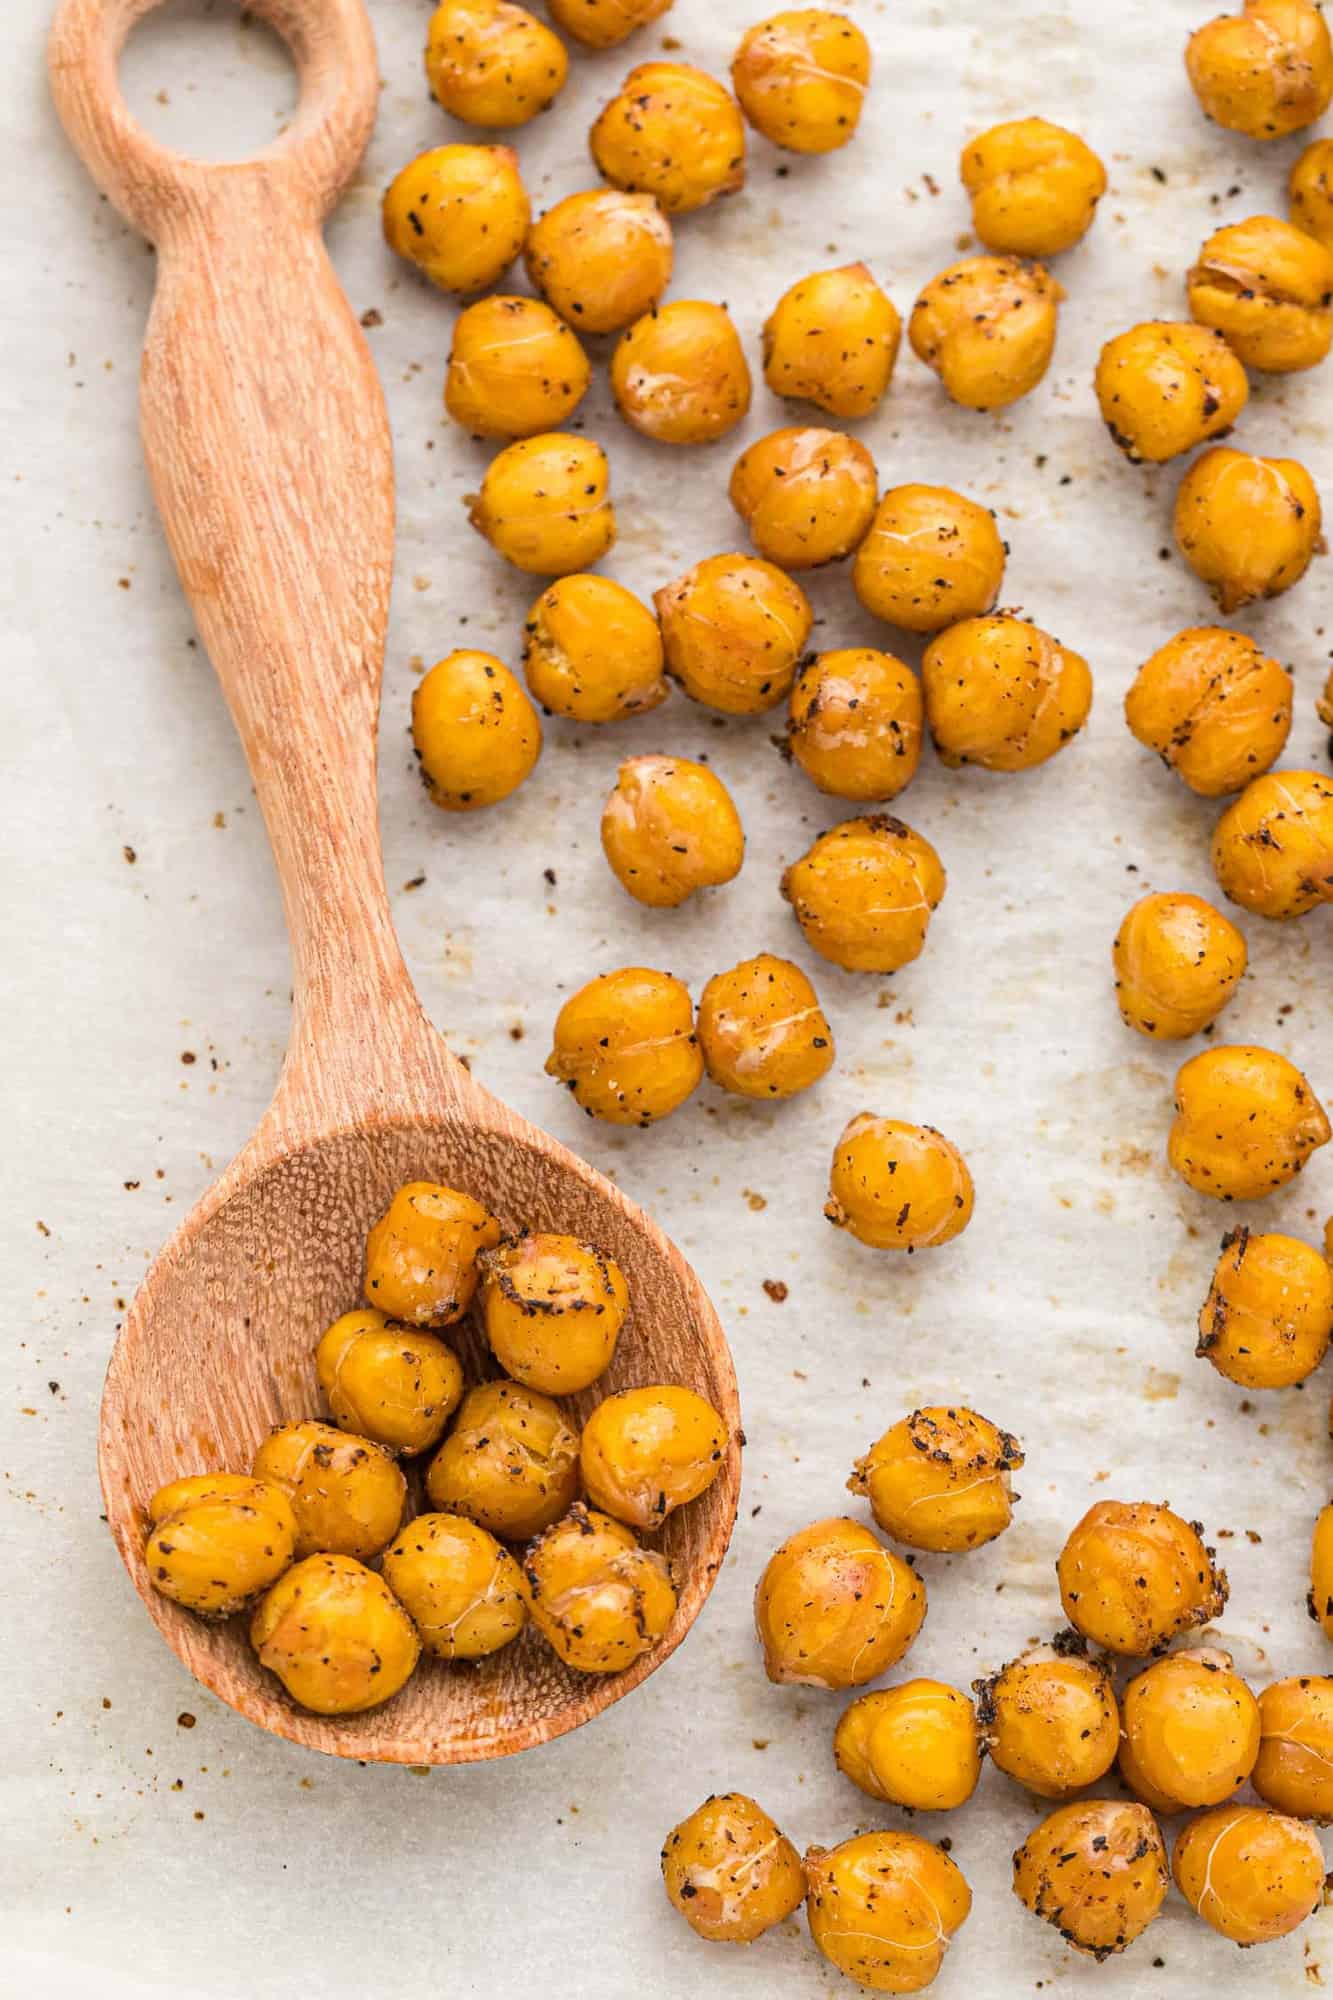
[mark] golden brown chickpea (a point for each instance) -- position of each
(864, 892)
(476, 734)
(730, 1870)
(1268, 1317)
(1246, 1123)
(1034, 187)
(734, 628)
(679, 374)
(598, 1599)
(1049, 1719)
(1265, 71)
(883, 1908)
(601, 24)
(601, 258)
(806, 495)
(1268, 287)
(335, 1635)
(553, 1308)
(897, 1186)
(835, 1608)
(1177, 963)
(1294, 1771)
(397, 1385)
(931, 558)
(987, 328)
(1213, 706)
(646, 1452)
(625, 1046)
(514, 369)
(914, 1745)
(1168, 385)
(346, 1493)
(762, 1030)
(1253, 1875)
(801, 78)
(1310, 187)
(1273, 848)
(939, 1479)
(543, 504)
(1319, 1602)
(855, 722)
(1002, 693)
(1133, 1574)
(460, 214)
(217, 1539)
(669, 827)
(1191, 1731)
(832, 339)
(674, 132)
(490, 62)
(593, 652)
(421, 1256)
(510, 1463)
(1097, 1871)
(1247, 526)
(465, 1594)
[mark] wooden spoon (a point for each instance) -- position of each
(268, 445)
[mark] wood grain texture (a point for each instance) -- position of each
(268, 445)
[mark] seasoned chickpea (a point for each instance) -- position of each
(762, 1030)
(476, 734)
(1177, 963)
(674, 132)
(625, 1046)
(855, 721)
(1191, 1731)
(1268, 287)
(734, 628)
(646, 1452)
(1310, 187)
(490, 62)
(801, 78)
(460, 214)
(1133, 1574)
(864, 893)
(835, 1608)
(1097, 1871)
(1265, 71)
(553, 1308)
(914, 1745)
(679, 374)
(939, 1479)
(883, 1908)
(1320, 1599)
(1247, 526)
(1273, 848)
(601, 24)
(806, 495)
(421, 1256)
(1002, 693)
(397, 1385)
(514, 369)
(1246, 1123)
(217, 1539)
(543, 504)
(598, 1599)
(669, 827)
(510, 1463)
(1252, 1874)
(347, 1493)
(730, 1870)
(1213, 706)
(987, 328)
(335, 1635)
(1268, 1317)
(1034, 187)
(1294, 1771)
(602, 258)
(832, 339)
(1168, 385)
(465, 1594)
(931, 558)
(1049, 1719)
(592, 651)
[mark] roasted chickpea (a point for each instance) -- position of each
(646, 1452)
(1268, 287)
(592, 651)
(625, 1046)
(898, 1187)
(1310, 187)
(1049, 1719)
(1133, 1574)
(1252, 1874)
(602, 258)
(1213, 706)
(987, 328)
(217, 1539)
(762, 1030)
(397, 1385)
(335, 1635)
(543, 504)
(460, 214)
(1247, 526)
(674, 132)
(601, 24)
(1191, 1731)
(801, 78)
(806, 495)
(1177, 963)
(883, 1908)
(476, 734)
(465, 1594)
(1268, 1317)
(1034, 187)
(669, 827)
(679, 374)
(421, 1256)
(510, 1463)
(864, 893)
(931, 558)
(1273, 848)
(1319, 1602)
(914, 1745)
(346, 1493)
(1265, 71)
(832, 340)
(598, 1599)
(1002, 693)
(553, 1308)
(490, 62)
(939, 1479)
(1246, 1123)
(1097, 1871)
(855, 722)
(835, 1608)
(514, 369)
(1294, 1771)
(734, 628)
(1168, 385)
(730, 1870)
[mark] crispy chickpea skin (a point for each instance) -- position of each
(465, 1594)
(217, 1539)
(1246, 1122)
(1273, 847)
(855, 723)
(460, 214)
(931, 558)
(1294, 1770)
(1191, 1731)
(987, 328)
(1166, 386)
(602, 258)
(597, 1598)
(1268, 288)
(553, 1308)
(835, 1608)
(1268, 1317)
(734, 628)
(490, 62)
(335, 1635)
(544, 506)
(1248, 527)
(602, 24)
(1002, 693)
(1213, 706)
(762, 1030)
(669, 827)
(730, 1870)
(806, 495)
(421, 1256)
(1310, 189)
(593, 652)
(1177, 963)
(397, 1385)
(1034, 187)
(646, 1452)
(510, 1463)
(1049, 1719)
(883, 1908)
(674, 132)
(679, 374)
(1319, 1602)
(939, 1480)
(1265, 71)
(1132, 1575)
(1254, 1875)
(832, 340)
(514, 369)
(864, 892)
(476, 734)
(625, 1046)
(1096, 1870)
(914, 1745)
(801, 78)
(347, 1493)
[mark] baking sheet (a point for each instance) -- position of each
(150, 1840)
